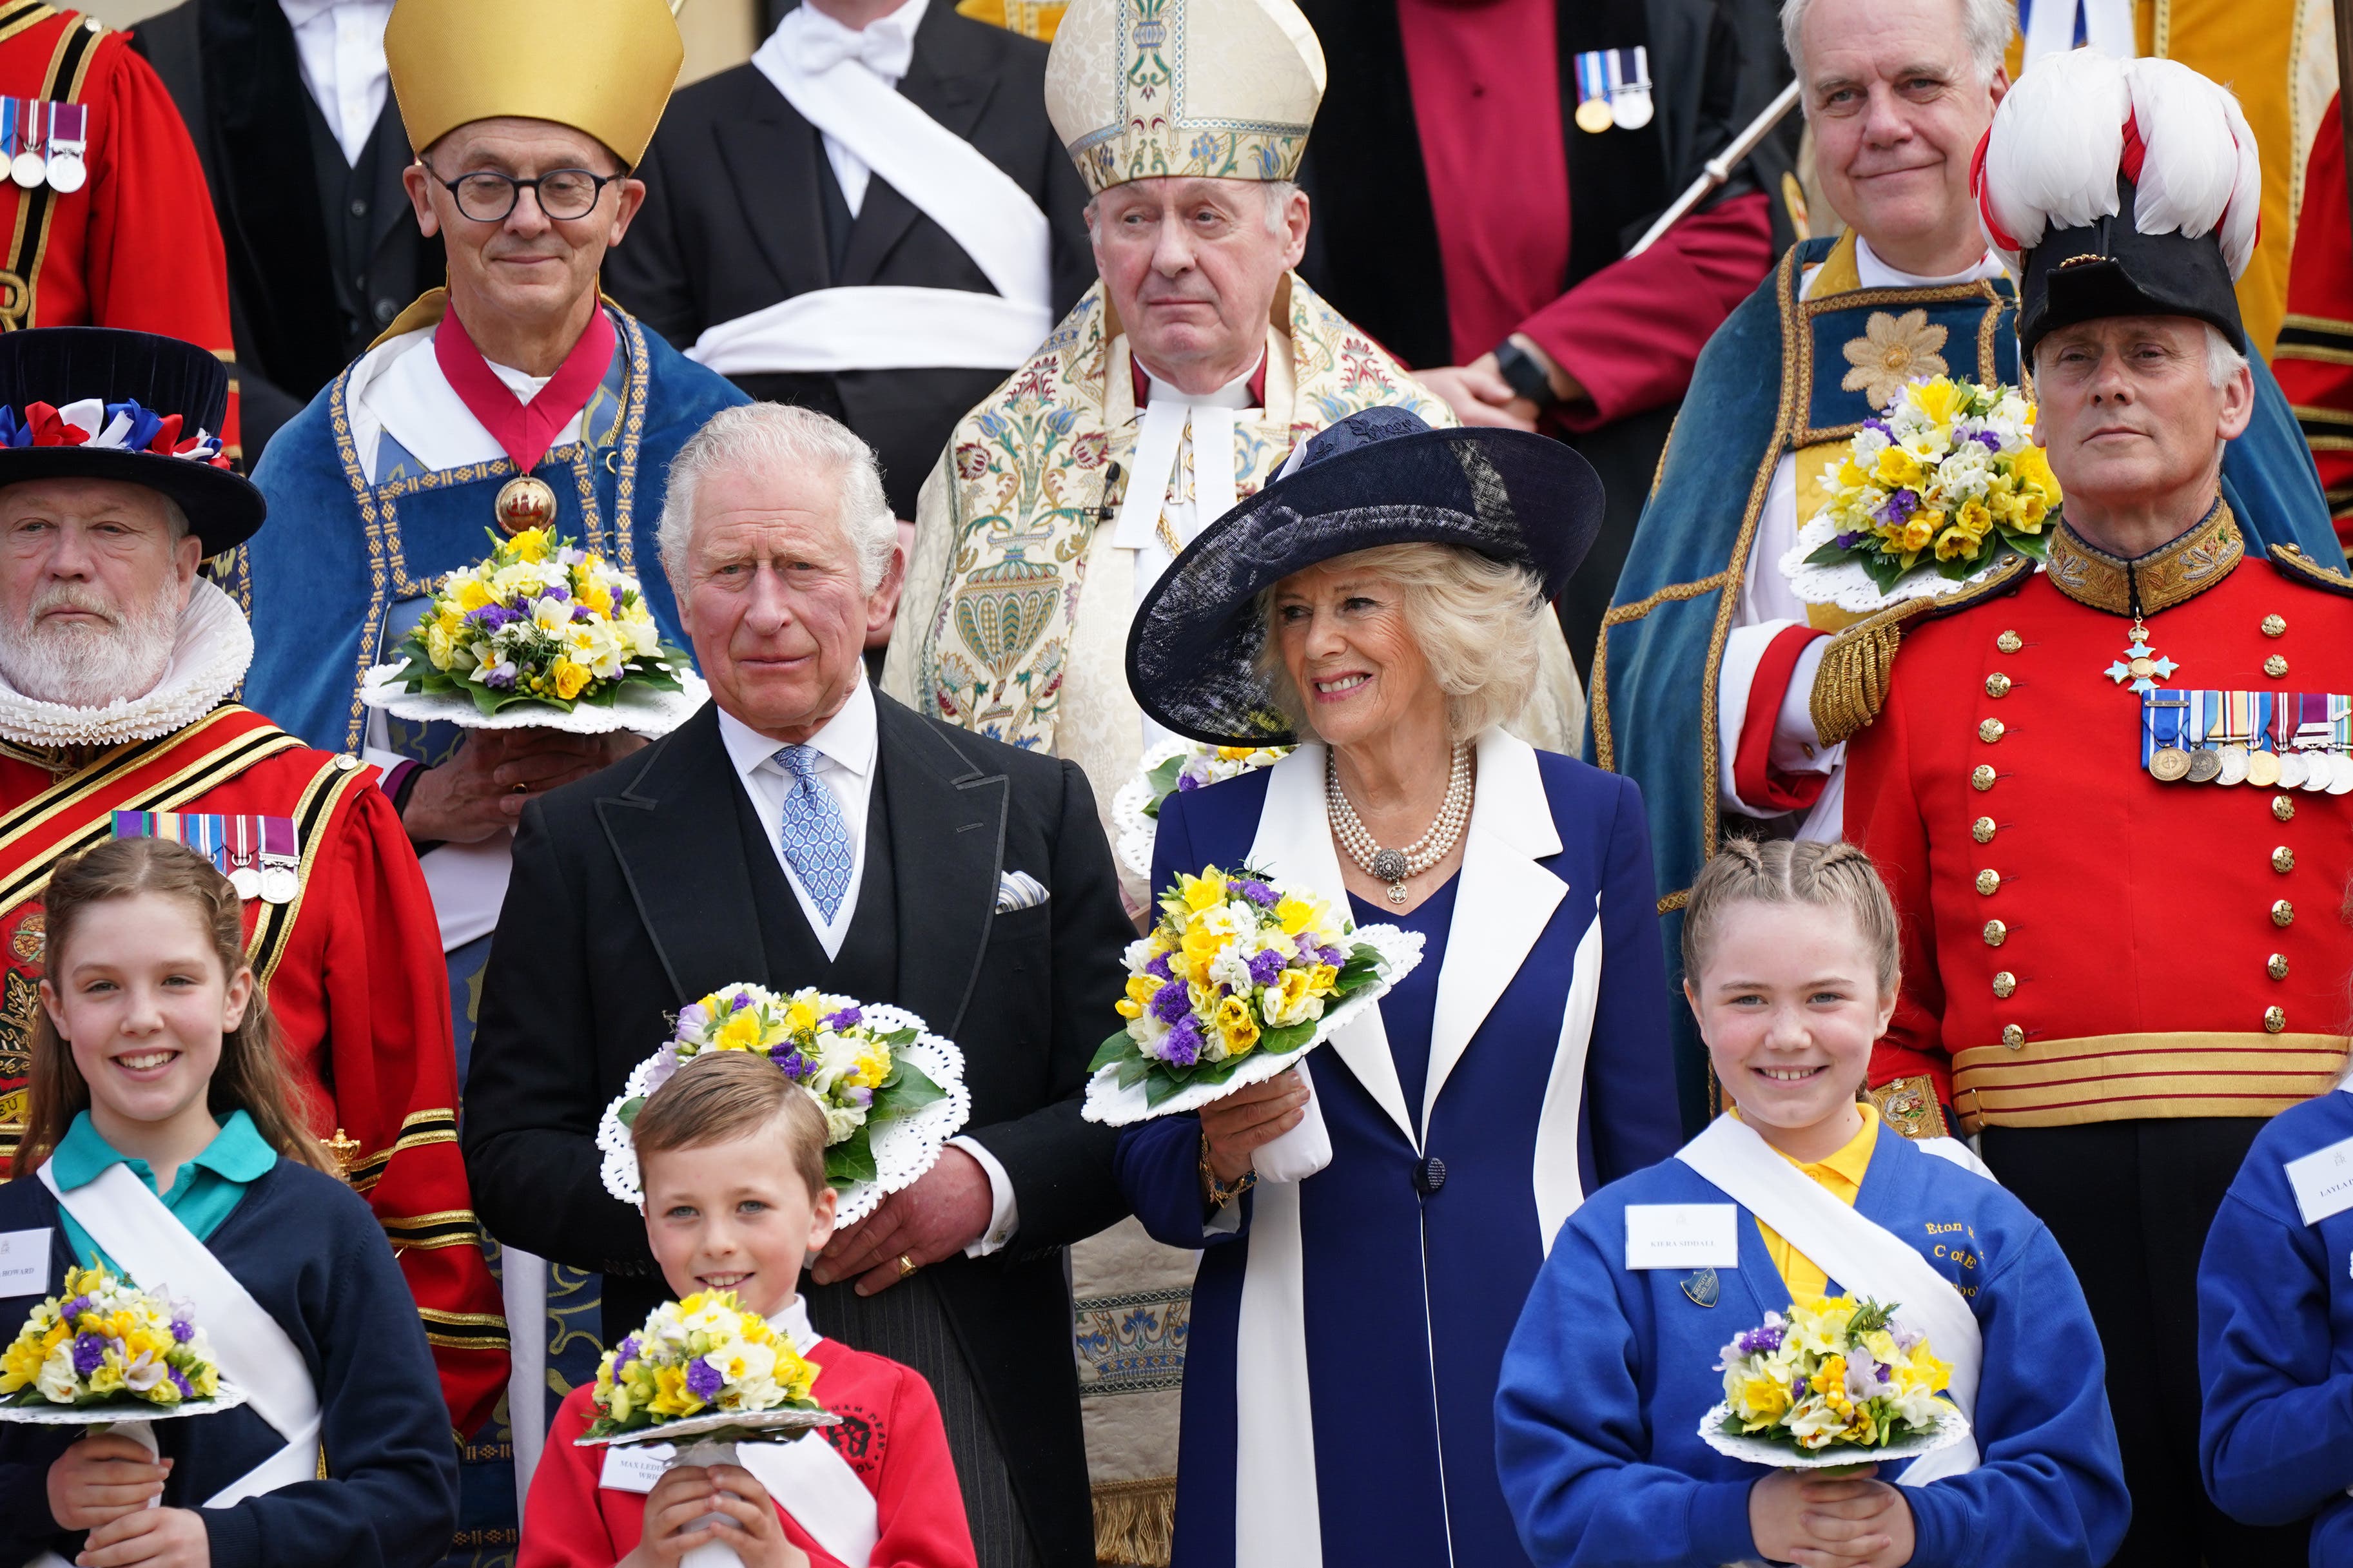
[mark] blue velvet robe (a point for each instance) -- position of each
(1597, 1421)
(1393, 1280)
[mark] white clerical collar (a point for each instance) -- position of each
(847, 740)
(793, 1321)
(1235, 394)
(1877, 274)
(209, 656)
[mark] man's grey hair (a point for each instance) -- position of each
(1986, 30)
(1276, 195)
(772, 438)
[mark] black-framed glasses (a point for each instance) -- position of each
(487, 196)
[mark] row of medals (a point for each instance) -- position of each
(2312, 772)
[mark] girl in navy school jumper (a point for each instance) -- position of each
(172, 1069)
(1789, 959)
(2276, 1331)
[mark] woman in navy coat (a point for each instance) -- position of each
(1374, 1218)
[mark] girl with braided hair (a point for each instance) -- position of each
(1790, 957)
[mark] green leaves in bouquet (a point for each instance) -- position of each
(908, 1088)
(1361, 970)
(627, 1115)
(851, 1160)
(1163, 780)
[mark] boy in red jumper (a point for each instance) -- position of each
(730, 1152)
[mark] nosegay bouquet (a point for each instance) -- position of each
(107, 1342)
(1835, 1375)
(1176, 767)
(702, 1356)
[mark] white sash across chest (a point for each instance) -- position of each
(1863, 1257)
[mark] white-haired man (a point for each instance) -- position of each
(803, 830)
(2115, 965)
(1701, 687)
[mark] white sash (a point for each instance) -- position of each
(131, 1226)
(1863, 1257)
(992, 218)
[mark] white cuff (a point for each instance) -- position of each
(1002, 1219)
(1796, 747)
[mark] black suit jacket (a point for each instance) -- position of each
(630, 898)
(735, 221)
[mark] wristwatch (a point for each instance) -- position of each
(1519, 367)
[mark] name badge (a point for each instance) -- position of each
(1683, 1235)
(24, 1262)
(635, 1466)
(2322, 1181)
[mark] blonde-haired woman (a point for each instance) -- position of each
(1371, 1233)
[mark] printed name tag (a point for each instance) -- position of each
(1683, 1235)
(635, 1466)
(24, 1262)
(2322, 1181)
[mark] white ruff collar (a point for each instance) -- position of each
(209, 658)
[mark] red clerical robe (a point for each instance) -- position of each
(136, 245)
(352, 969)
(2314, 360)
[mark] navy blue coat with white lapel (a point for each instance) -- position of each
(1347, 1338)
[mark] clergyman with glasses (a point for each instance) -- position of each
(513, 399)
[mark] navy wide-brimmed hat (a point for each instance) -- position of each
(102, 404)
(1378, 477)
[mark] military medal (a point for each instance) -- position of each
(525, 501)
(281, 876)
(2262, 769)
(30, 168)
(1593, 112)
(2205, 766)
(2340, 774)
(2290, 770)
(2143, 670)
(245, 857)
(2170, 764)
(1630, 87)
(68, 134)
(2235, 765)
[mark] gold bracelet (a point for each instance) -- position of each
(1221, 1194)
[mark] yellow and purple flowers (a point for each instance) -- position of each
(1836, 1372)
(107, 1342)
(700, 1356)
(540, 621)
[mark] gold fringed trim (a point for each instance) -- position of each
(1851, 688)
(1136, 1523)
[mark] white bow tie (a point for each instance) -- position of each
(816, 43)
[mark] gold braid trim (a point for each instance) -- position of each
(1136, 1523)
(1858, 666)
(2294, 563)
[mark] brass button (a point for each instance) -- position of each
(2277, 967)
(2013, 1037)
(2010, 642)
(2004, 984)
(2275, 667)
(2274, 1019)
(1982, 830)
(2282, 807)
(1997, 684)
(2283, 859)
(2274, 627)
(2282, 914)
(1989, 881)
(1989, 731)
(1982, 777)
(1996, 934)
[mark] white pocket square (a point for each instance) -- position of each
(1019, 891)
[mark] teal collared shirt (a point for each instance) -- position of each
(207, 1189)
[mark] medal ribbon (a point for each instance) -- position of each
(524, 430)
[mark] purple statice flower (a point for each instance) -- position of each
(557, 591)
(183, 1330)
(1257, 892)
(179, 1382)
(848, 1018)
(1187, 784)
(1882, 427)
(625, 1352)
(1159, 967)
(76, 1308)
(490, 617)
(1899, 508)
(1849, 540)
(702, 1379)
(1991, 442)
(583, 612)
(1265, 967)
(88, 1353)
(1181, 1046)
(1172, 1001)
(1332, 955)
(790, 1062)
(1760, 1341)
(742, 1000)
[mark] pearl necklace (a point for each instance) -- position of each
(1394, 866)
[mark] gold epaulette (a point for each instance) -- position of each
(1851, 687)
(2294, 563)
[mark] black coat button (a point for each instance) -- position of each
(1429, 1175)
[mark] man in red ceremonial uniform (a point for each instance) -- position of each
(2314, 360)
(103, 201)
(116, 663)
(2114, 800)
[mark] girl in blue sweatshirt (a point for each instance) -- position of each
(153, 1051)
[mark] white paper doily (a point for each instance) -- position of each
(642, 709)
(1951, 1429)
(776, 1425)
(1133, 830)
(1847, 585)
(904, 1146)
(130, 1412)
(1116, 1107)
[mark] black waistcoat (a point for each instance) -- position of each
(868, 965)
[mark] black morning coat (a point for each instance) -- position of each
(1374, 248)
(632, 897)
(742, 210)
(322, 254)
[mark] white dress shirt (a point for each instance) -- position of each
(883, 49)
(341, 45)
(846, 746)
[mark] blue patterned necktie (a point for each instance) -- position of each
(816, 839)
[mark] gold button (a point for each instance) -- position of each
(2010, 642)
(2275, 667)
(1996, 934)
(2282, 807)
(1987, 881)
(2283, 859)
(2282, 914)
(1989, 731)
(2277, 967)
(1997, 684)
(1982, 830)
(2274, 1019)
(2004, 984)
(2013, 1037)
(1982, 777)
(2274, 627)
